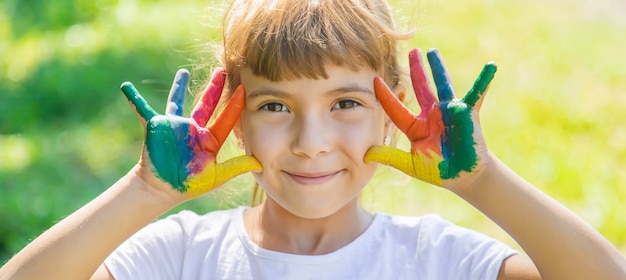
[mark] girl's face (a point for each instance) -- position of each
(311, 137)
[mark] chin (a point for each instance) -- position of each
(312, 209)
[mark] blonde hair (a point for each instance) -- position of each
(292, 39)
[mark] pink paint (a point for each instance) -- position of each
(205, 107)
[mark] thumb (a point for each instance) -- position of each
(215, 174)
(420, 166)
(391, 156)
(236, 166)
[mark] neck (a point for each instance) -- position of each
(274, 228)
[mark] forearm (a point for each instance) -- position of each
(76, 246)
(561, 244)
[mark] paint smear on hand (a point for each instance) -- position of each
(457, 143)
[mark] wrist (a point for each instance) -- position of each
(154, 191)
(470, 183)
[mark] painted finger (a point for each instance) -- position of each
(397, 111)
(227, 119)
(419, 165)
(176, 98)
(391, 156)
(440, 76)
(424, 95)
(236, 166)
(215, 175)
(140, 105)
(476, 94)
(208, 101)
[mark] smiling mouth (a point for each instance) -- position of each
(312, 179)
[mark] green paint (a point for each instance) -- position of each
(165, 153)
(458, 146)
(141, 105)
(481, 84)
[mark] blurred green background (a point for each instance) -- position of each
(554, 112)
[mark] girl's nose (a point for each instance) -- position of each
(311, 137)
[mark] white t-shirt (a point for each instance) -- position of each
(217, 246)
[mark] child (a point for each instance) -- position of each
(306, 84)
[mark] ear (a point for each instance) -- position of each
(399, 91)
(238, 131)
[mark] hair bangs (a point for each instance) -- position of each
(286, 40)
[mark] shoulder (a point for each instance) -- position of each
(435, 244)
(416, 234)
(427, 225)
(190, 218)
(432, 229)
(193, 226)
(412, 224)
(156, 251)
(182, 227)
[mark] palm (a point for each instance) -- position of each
(446, 142)
(172, 148)
(182, 151)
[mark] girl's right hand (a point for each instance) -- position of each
(179, 156)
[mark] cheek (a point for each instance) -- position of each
(261, 139)
(359, 140)
(357, 133)
(367, 131)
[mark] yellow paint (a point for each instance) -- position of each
(213, 175)
(419, 165)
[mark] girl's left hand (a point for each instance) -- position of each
(447, 145)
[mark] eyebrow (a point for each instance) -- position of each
(354, 87)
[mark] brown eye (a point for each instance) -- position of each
(345, 104)
(274, 107)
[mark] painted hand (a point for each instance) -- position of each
(446, 140)
(182, 151)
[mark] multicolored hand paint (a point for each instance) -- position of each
(182, 150)
(443, 139)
